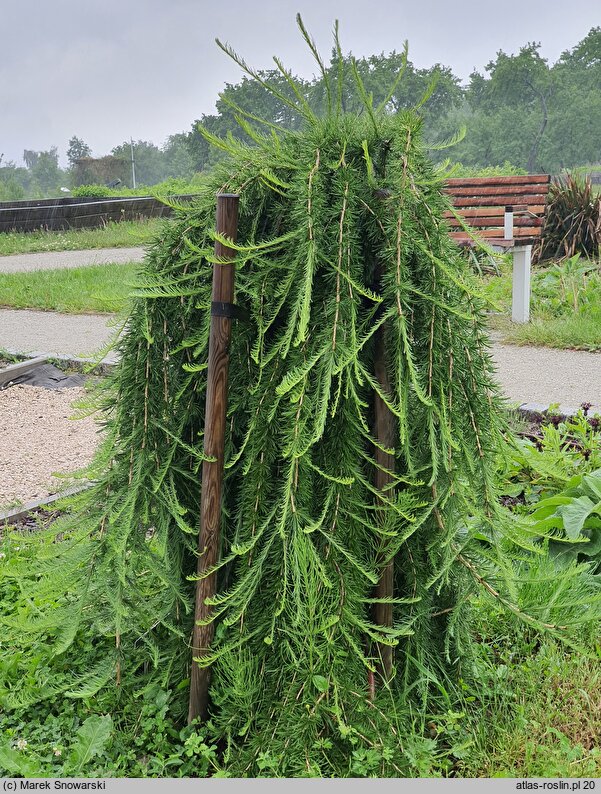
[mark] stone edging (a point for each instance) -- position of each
(535, 410)
(18, 513)
(86, 365)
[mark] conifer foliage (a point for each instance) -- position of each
(342, 252)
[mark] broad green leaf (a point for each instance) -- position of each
(16, 763)
(553, 521)
(574, 515)
(592, 486)
(320, 683)
(515, 489)
(547, 507)
(91, 740)
(593, 547)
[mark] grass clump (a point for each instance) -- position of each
(543, 713)
(563, 333)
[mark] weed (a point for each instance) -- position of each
(566, 305)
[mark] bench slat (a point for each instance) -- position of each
(478, 181)
(496, 190)
(518, 221)
(496, 201)
(493, 212)
(467, 242)
(498, 233)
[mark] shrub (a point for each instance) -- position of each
(176, 186)
(460, 170)
(92, 191)
(572, 222)
(170, 187)
(356, 299)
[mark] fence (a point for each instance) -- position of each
(76, 213)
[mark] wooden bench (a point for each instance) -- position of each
(506, 213)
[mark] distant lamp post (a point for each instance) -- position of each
(133, 163)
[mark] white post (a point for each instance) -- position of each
(508, 227)
(520, 307)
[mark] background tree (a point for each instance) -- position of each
(178, 161)
(30, 158)
(586, 55)
(45, 175)
(536, 116)
(14, 181)
(575, 109)
(77, 149)
(523, 81)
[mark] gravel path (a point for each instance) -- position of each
(50, 260)
(38, 439)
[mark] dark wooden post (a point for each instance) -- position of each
(385, 435)
(214, 440)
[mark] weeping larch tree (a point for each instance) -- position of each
(359, 506)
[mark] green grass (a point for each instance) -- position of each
(565, 306)
(575, 333)
(544, 717)
(114, 235)
(97, 288)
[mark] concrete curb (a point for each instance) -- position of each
(19, 513)
(89, 366)
(535, 410)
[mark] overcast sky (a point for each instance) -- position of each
(108, 70)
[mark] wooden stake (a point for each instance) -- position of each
(214, 441)
(385, 435)
(384, 432)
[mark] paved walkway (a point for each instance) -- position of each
(70, 335)
(526, 374)
(50, 260)
(544, 375)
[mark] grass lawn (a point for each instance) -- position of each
(97, 288)
(565, 307)
(114, 235)
(564, 333)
